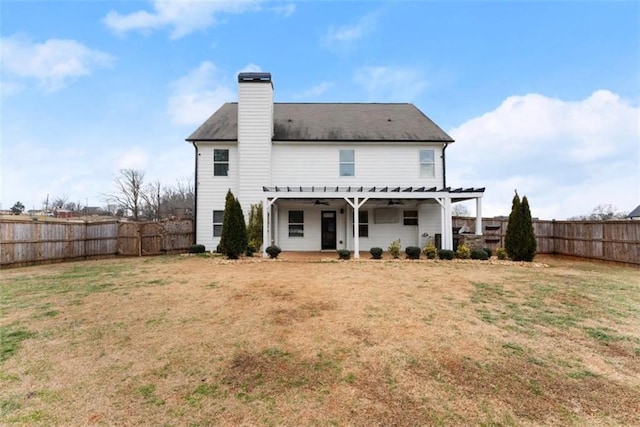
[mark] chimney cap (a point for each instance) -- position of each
(254, 77)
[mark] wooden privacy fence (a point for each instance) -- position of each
(31, 242)
(605, 240)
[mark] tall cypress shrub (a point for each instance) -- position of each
(528, 250)
(520, 241)
(233, 239)
(512, 238)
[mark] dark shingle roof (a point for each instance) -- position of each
(634, 213)
(331, 122)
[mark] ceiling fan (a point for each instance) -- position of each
(396, 202)
(320, 202)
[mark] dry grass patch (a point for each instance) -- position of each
(193, 340)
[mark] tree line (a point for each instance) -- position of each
(131, 197)
(134, 197)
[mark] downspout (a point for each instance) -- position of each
(444, 165)
(195, 196)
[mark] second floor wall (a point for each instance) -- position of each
(322, 164)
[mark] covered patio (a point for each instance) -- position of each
(357, 197)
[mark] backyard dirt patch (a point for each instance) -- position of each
(310, 340)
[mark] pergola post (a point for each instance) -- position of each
(356, 228)
(447, 234)
(479, 216)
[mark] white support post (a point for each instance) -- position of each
(447, 243)
(479, 216)
(356, 228)
(275, 221)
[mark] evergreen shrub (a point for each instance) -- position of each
(447, 254)
(273, 251)
(376, 253)
(413, 252)
(480, 254)
(197, 249)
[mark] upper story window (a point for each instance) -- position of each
(427, 164)
(347, 163)
(220, 162)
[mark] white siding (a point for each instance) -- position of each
(394, 164)
(255, 128)
(212, 190)
(429, 222)
(381, 235)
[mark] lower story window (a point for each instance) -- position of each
(296, 223)
(363, 223)
(410, 217)
(218, 216)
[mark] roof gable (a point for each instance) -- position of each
(331, 122)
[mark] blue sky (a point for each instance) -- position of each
(540, 96)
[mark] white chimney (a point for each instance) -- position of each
(255, 129)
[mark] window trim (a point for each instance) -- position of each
(220, 162)
(296, 225)
(352, 163)
(218, 224)
(431, 163)
(409, 219)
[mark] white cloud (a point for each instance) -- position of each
(314, 92)
(53, 63)
(566, 156)
(398, 84)
(132, 158)
(182, 16)
(250, 68)
(286, 10)
(200, 93)
(344, 36)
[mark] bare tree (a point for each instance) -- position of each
(128, 194)
(151, 198)
(59, 202)
(459, 210)
(601, 212)
(179, 197)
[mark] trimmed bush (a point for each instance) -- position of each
(376, 253)
(447, 254)
(501, 253)
(488, 251)
(273, 251)
(250, 251)
(344, 254)
(197, 249)
(463, 252)
(394, 249)
(413, 252)
(479, 254)
(430, 251)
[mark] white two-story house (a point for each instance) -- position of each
(330, 175)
